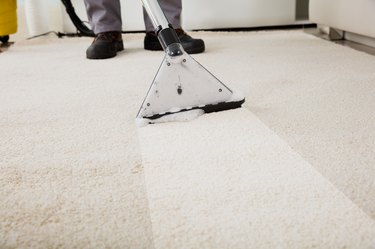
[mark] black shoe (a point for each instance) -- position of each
(191, 45)
(105, 45)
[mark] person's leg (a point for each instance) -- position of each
(105, 19)
(104, 15)
(172, 10)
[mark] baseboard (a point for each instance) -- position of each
(365, 40)
(334, 34)
(354, 41)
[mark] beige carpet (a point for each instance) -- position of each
(293, 169)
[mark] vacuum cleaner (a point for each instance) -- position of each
(182, 88)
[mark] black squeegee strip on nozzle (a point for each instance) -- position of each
(223, 106)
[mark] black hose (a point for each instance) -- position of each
(81, 27)
(4, 39)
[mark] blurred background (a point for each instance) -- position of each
(40, 16)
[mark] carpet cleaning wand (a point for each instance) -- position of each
(182, 88)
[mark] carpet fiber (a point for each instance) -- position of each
(294, 168)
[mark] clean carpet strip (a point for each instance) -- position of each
(236, 184)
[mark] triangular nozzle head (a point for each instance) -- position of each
(182, 84)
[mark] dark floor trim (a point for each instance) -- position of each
(266, 28)
(245, 29)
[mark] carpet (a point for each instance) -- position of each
(292, 169)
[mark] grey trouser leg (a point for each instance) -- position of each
(104, 15)
(172, 10)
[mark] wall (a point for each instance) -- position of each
(197, 14)
(210, 14)
(348, 15)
